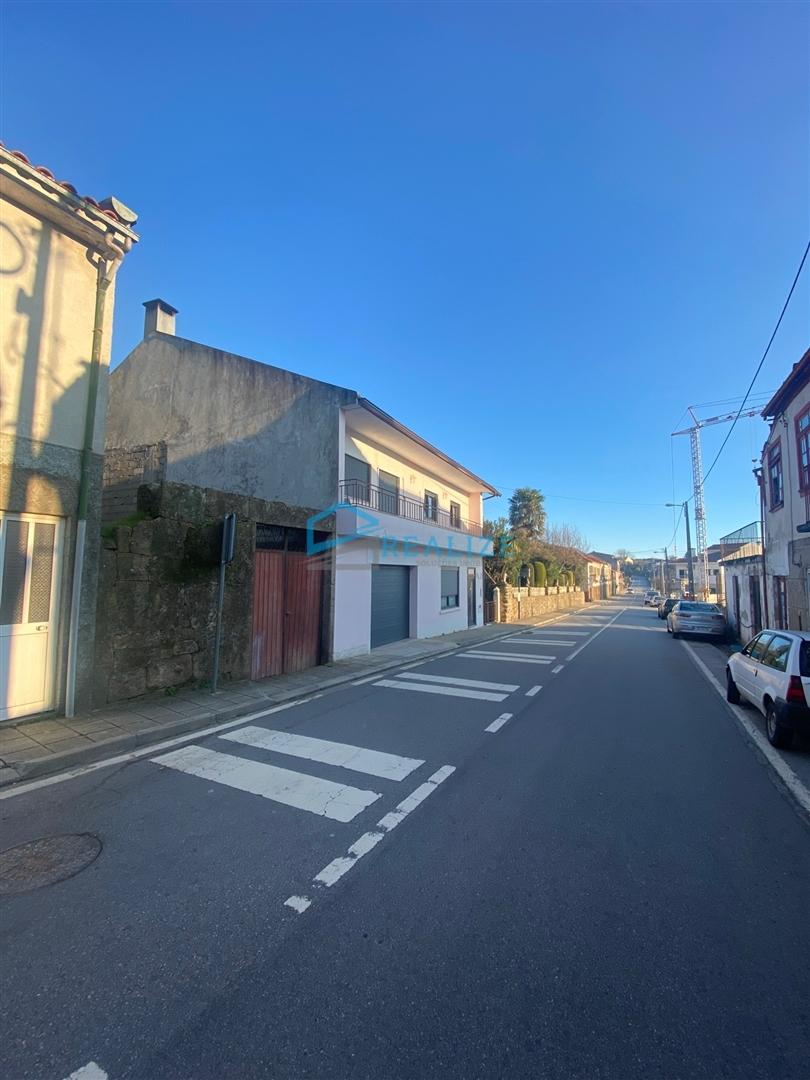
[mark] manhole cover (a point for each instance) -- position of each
(45, 861)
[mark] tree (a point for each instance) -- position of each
(527, 513)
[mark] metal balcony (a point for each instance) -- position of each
(385, 501)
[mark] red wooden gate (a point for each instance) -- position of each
(287, 593)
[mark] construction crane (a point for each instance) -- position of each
(701, 541)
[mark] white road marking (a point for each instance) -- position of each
(513, 658)
(601, 630)
(451, 691)
(788, 777)
(336, 801)
(298, 903)
(547, 641)
(90, 1071)
(335, 870)
(556, 670)
(496, 725)
(356, 758)
(521, 644)
(565, 633)
(526, 655)
(477, 683)
(534, 690)
(146, 751)
(369, 678)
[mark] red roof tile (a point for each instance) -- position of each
(64, 184)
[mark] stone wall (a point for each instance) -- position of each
(125, 471)
(528, 603)
(158, 590)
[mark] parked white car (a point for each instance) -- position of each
(773, 673)
(694, 617)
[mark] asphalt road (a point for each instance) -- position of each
(609, 885)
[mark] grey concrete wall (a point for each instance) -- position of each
(229, 423)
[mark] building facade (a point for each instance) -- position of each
(353, 531)
(784, 478)
(60, 254)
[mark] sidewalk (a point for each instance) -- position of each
(32, 748)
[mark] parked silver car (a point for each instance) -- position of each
(694, 617)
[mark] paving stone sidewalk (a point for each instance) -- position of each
(40, 747)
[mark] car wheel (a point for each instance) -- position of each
(732, 693)
(778, 735)
(675, 633)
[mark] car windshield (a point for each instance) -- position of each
(702, 609)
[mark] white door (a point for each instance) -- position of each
(30, 550)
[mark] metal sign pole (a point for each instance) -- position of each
(226, 555)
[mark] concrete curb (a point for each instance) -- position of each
(16, 772)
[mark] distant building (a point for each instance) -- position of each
(60, 254)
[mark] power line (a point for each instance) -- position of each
(708, 473)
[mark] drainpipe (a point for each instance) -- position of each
(758, 473)
(108, 263)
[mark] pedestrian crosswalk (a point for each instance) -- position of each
(302, 791)
(356, 758)
(340, 802)
(450, 686)
(509, 658)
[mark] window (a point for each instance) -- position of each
(758, 647)
(803, 448)
(775, 476)
(455, 515)
(449, 587)
(357, 476)
(780, 602)
(777, 654)
(431, 505)
(389, 492)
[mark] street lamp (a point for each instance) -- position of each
(685, 506)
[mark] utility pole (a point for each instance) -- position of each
(689, 552)
(666, 571)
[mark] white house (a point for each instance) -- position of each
(409, 543)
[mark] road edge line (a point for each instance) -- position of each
(791, 781)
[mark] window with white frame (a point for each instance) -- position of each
(449, 587)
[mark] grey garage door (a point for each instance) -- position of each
(390, 604)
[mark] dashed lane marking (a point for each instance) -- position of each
(534, 690)
(496, 725)
(335, 870)
(556, 670)
(90, 1071)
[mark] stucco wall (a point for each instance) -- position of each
(228, 422)
(47, 305)
(47, 309)
(352, 609)
(413, 481)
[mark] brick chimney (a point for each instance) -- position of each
(159, 317)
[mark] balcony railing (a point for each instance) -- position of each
(387, 501)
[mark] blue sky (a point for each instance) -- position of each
(533, 232)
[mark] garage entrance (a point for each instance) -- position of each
(390, 604)
(287, 602)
